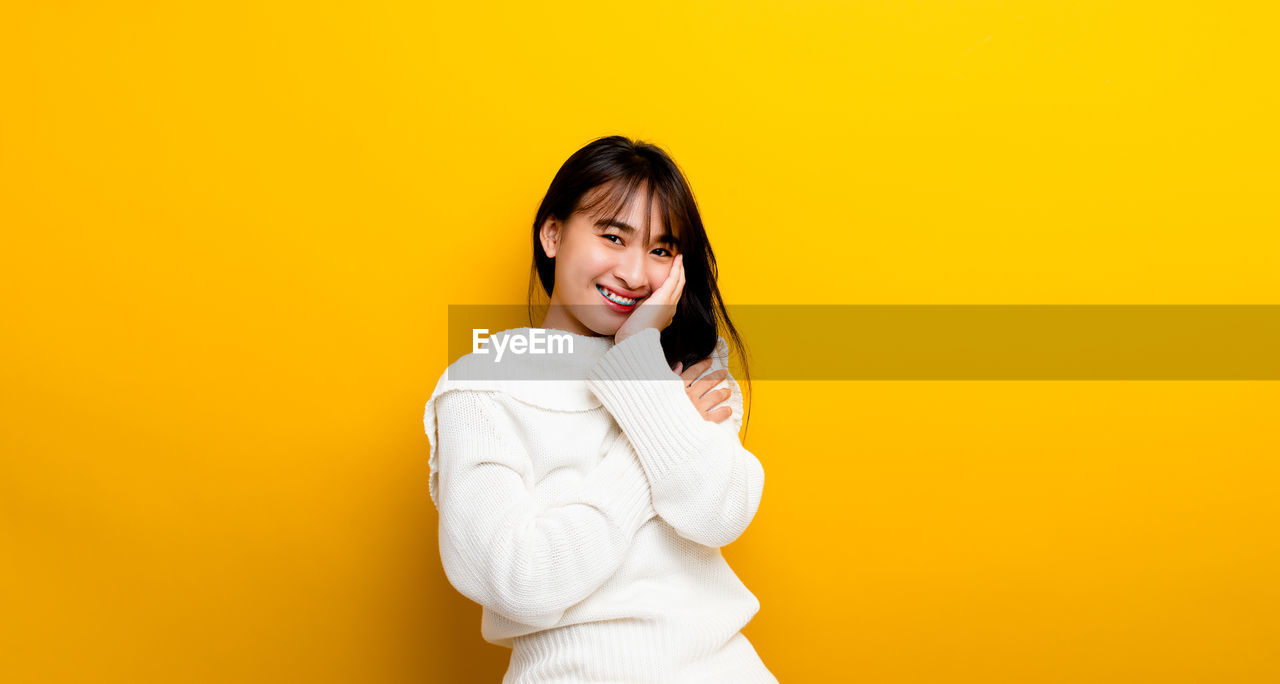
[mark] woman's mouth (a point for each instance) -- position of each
(615, 302)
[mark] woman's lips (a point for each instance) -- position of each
(620, 308)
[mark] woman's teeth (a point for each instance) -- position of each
(615, 298)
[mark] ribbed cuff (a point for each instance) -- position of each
(649, 401)
(619, 486)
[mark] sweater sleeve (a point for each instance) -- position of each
(704, 483)
(512, 551)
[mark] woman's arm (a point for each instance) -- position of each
(507, 549)
(704, 483)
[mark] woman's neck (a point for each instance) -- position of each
(559, 318)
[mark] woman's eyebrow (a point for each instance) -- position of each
(629, 230)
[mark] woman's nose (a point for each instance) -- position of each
(630, 269)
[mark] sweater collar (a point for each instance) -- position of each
(545, 367)
(544, 353)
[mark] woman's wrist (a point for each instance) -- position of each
(617, 339)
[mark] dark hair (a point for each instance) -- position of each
(624, 165)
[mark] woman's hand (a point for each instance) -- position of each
(657, 310)
(699, 390)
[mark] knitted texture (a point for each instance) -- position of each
(585, 516)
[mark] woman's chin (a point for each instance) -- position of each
(606, 327)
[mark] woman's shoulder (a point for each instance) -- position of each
(474, 373)
(721, 352)
(463, 392)
(719, 360)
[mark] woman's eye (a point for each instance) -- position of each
(665, 252)
(608, 236)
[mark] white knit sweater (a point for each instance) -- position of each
(583, 507)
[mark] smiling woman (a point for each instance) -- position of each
(614, 218)
(587, 514)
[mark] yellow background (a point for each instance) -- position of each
(230, 232)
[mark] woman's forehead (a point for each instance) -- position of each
(604, 204)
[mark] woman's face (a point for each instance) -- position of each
(592, 254)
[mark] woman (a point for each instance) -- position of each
(584, 494)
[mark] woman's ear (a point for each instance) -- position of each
(549, 235)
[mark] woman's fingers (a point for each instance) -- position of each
(712, 399)
(717, 415)
(710, 403)
(669, 291)
(695, 371)
(704, 385)
(699, 388)
(680, 282)
(657, 310)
